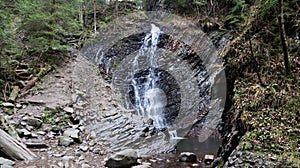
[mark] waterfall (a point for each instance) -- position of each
(150, 100)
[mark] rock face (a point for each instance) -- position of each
(123, 159)
(188, 157)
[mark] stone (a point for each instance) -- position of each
(82, 128)
(71, 132)
(24, 132)
(93, 135)
(34, 122)
(125, 158)
(41, 132)
(8, 105)
(152, 160)
(65, 141)
(85, 165)
(81, 158)
(92, 143)
(84, 148)
(32, 166)
(36, 144)
(146, 163)
(208, 159)
(141, 166)
(195, 165)
(69, 110)
(187, 157)
(19, 106)
(67, 158)
(97, 151)
(57, 120)
(60, 164)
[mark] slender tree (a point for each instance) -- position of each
(95, 18)
(283, 39)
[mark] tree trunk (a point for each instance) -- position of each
(81, 12)
(13, 148)
(95, 18)
(256, 66)
(116, 8)
(283, 39)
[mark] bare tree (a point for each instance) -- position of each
(95, 18)
(283, 39)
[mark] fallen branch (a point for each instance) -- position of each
(32, 82)
(14, 149)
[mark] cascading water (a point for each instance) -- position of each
(150, 100)
(173, 77)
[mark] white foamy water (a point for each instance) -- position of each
(150, 101)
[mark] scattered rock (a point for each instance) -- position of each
(84, 148)
(8, 105)
(55, 128)
(141, 166)
(32, 166)
(58, 155)
(97, 151)
(146, 163)
(125, 158)
(82, 128)
(92, 143)
(187, 157)
(69, 110)
(152, 160)
(65, 141)
(85, 165)
(93, 135)
(36, 123)
(195, 165)
(41, 132)
(36, 145)
(208, 159)
(19, 106)
(71, 132)
(23, 132)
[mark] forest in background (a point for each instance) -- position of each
(262, 62)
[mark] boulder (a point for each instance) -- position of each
(65, 141)
(122, 159)
(188, 157)
(208, 159)
(71, 132)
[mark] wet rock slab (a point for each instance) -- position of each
(121, 131)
